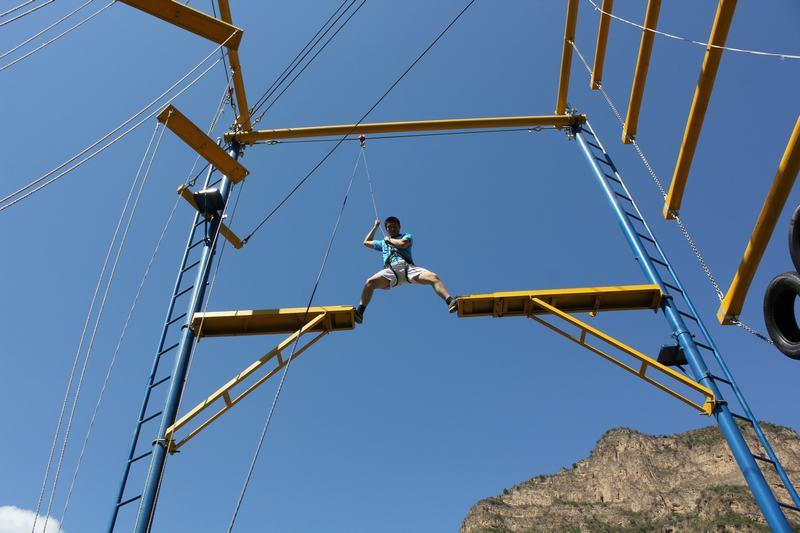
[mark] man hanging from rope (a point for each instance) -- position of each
(399, 267)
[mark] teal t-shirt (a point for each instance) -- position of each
(387, 249)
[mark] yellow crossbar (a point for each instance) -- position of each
(224, 393)
(202, 143)
(640, 74)
(192, 20)
(588, 299)
(646, 362)
(602, 40)
(224, 230)
(269, 321)
(559, 121)
(566, 56)
(236, 73)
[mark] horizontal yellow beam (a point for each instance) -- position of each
(566, 56)
(269, 321)
(192, 20)
(224, 230)
(647, 363)
(202, 144)
(640, 74)
(602, 40)
(762, 232)
(559, 121)
(236, 73)
(697, 113)
(578, 300)
(224, 393)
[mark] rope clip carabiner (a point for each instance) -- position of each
(363, 140)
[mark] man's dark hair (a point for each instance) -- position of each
(391, 219)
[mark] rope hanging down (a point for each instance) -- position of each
(363, 117)
(692, 41)
(363, 154)
(257, 451)
(659, 184)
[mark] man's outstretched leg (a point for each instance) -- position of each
(375, 282)
(431, 278)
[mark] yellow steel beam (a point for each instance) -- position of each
(773, 205)
(702, 94)
(566, 56)
(602, 40)
(640, 74)
(224, 393)
(577, 300)
(224, 230)
(236, 73)
(559, 121)
(270, 321)
(646, 362)
(192, 20)
(202, 144)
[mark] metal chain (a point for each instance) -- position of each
(663, 191)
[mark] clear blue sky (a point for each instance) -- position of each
(406, 422)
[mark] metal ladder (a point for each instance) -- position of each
(687, 311)
(167, 344)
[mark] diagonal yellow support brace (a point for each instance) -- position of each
(224, 393)
(640, 74)
(646, 362)
(202, 143)
(602, 40)
(566, 56)
(192, 20)
(243, 119)
(224, 230)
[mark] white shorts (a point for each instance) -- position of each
(397, 274)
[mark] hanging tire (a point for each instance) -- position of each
(779, 315)
(794, 238)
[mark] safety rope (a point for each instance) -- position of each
(301, 55)
(294, 348)
(16, 8)
(45, 30)
(18, 195)
(659, 184)
(57, 37)
(24, 13)
(264, 112)
(89, 313)
(363, 117)
(692, 41)
(363, 154)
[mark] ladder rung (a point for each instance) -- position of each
(673, 287)
(201, 241)
(142, 456)
(787, 506)
(717, 378)
(740, 417)
(184, 291)
(160, 381)
(634, 216)
(763, 459)
(624, 197)
(659, 261)
(592, 144)
(612, 178)
(604, 161)
(149, 418)
(176, 319)
(126, 502)
(213, 183)
(701, 345)
(191, 266)
(687, 315)
(645, 237)
(162, 352)
(199, 221)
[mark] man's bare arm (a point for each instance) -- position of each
(398, 243)
(368, 239)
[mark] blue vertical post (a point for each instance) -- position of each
(752, 474)
(147, 508)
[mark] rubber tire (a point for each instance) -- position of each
(779, 314)
(794, 238)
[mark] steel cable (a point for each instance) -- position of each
(24, 13)
(46, 29)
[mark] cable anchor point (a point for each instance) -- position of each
(363, 140)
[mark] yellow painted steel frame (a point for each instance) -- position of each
(702, 94)
(566, 56)
(773, 205)
(202, 143)
(236, 73)
(640, 74)
(224, 230)
(559, 121)
(224, 393)
(647, 362)
(602, 40)
(192, 20)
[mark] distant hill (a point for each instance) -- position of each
(634, 482)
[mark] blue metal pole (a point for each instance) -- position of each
(147, 508)
(752, 474)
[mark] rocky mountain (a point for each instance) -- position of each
(634, 482)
